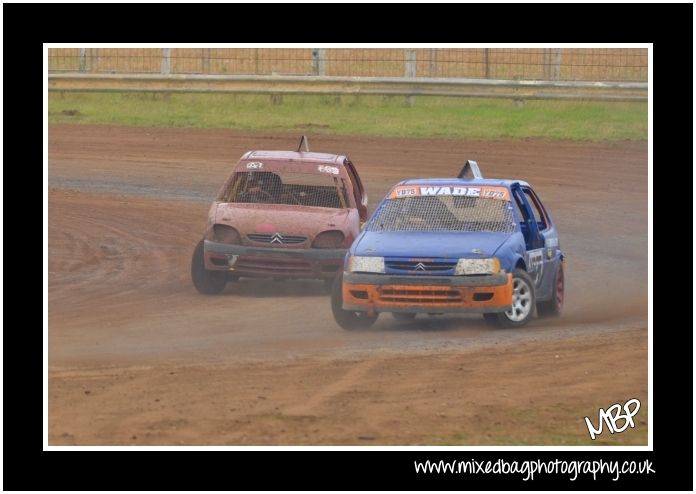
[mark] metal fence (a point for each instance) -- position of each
(551, 64)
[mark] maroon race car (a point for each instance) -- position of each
(281, 215)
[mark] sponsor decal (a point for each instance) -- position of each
(451, 191)
(406, 191)
(535, 261)
(500, 193)
(551, 246)
(328, 169)
(493, 193)
(254, 165)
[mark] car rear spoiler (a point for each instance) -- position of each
(470, 167)
(306, 144)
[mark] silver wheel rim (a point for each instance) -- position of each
(521, 300)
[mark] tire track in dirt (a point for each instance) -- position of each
(350, 380)
(108, 242)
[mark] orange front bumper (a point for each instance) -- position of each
(464, 296)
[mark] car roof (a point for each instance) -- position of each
(467, 182)
(336, 159)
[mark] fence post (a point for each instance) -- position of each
(93, 59)
(546, 64)
(83, 59)
(433, 62)
(555, 64)
(486, 63)
(410, 65)
(166, 61)
(206, 60)
(410, 72)
(319, 61)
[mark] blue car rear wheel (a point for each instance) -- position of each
(554, 307)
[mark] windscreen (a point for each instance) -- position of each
(444, 213)
(292, 188)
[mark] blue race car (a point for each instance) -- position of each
(464, 244)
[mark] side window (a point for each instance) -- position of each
(354, 183)
(235, 181)
(518, 209)
(539, 215)
(358, 192)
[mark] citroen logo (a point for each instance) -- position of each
(419, 267)
(277, 238)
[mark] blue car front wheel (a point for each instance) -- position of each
(523, 301)
(348, 319)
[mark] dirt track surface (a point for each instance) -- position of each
(137, 356)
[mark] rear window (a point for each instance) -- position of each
(444, 213)
(293, 188)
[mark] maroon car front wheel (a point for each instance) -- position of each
(206, 282)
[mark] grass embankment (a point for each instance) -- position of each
(427, 116)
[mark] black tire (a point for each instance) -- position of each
(206, 282)
(403, 316)
(348, 319)
(523, 302)
(554, 307)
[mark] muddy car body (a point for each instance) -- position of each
(469, 245)
(281, 215)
